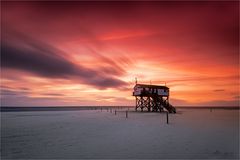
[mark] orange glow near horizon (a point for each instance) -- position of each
(89, 53)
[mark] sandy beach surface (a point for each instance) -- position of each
(96, 134)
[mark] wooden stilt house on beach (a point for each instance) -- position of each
(153, 98)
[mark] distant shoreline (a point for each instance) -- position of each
(72, 108)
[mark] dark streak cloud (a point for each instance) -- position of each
(24, 88)
(236, 97)
(53, 94)
(35, 61)
(46, 61)
(5, 92)
(16, 98)
(8, 92)
(219, 90)
(220, 103)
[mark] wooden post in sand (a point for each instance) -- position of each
(167, 117)
(126, 114)
(115, 112)
(101, 109)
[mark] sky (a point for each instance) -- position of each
(89, 53)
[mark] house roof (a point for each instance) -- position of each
(151, 86)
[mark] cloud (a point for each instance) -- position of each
(219, 103)
(203, 78)
(5, 92)
(219, 90)
(237, 97)
(44, 60)
(48, 65)
(24, 100)
(12, 93)
(53, 94)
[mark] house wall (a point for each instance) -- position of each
(161, 92)
(137, 91)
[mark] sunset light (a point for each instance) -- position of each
(89, 53)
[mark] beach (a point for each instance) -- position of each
(100, 134)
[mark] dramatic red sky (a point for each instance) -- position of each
(89, 53)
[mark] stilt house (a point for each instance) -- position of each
(153, 98)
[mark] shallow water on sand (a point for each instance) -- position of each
(191, 133)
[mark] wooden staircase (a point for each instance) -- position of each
(165, 104)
